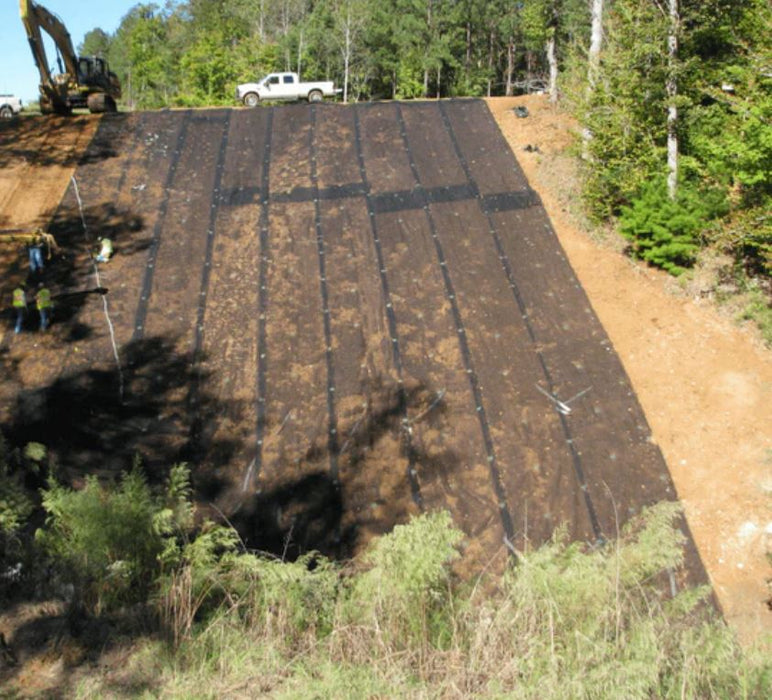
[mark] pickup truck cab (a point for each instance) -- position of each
(9, 106)
(284, 86)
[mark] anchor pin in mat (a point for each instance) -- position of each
(562, 406)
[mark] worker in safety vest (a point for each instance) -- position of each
(20, 305)
(45, 306)
(106, 251)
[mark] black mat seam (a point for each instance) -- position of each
(262, 297)
(505, 515)
(406, 441)
(147, 282)
(138, 129)
(333, 446)
(509, 273)
(206, 271)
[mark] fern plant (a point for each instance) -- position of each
(110, 542)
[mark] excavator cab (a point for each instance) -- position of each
(85, 69)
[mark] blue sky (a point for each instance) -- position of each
(18, 74)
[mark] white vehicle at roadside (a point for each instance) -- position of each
(284, 86)
(9, 106)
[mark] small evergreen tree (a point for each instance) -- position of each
(663, 231)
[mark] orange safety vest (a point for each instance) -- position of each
(19, 300)
(43, 299)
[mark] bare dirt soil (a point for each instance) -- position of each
(323, 400)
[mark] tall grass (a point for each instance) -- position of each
(565, 622)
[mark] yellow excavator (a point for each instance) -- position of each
(82, 81)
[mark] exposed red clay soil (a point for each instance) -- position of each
(705, 383)
(37, 158)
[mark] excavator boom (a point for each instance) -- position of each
(34, 18)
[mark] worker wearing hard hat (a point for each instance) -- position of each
(106, 251)
(20, 306)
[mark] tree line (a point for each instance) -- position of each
(194, 52)
(673, 96)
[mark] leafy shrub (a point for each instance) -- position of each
(110, 543)
(565, 622)
(662, 231)
(19, 470)
(15, 504)
(215, 579)
(416, 601)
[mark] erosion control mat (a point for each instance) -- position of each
(340, 316)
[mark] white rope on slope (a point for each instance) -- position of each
(104, 296)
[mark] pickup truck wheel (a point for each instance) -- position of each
(6, 112)
(251, 99)
(315, 96)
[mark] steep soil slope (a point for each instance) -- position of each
(345, 315)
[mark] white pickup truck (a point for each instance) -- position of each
(284, 86)
(9, 106)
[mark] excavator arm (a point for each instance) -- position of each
(36, 18)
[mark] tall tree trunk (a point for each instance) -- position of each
(300, 53)
(552, 59)
(509, 89)
(596, 41)
(439, 75)
(468, 54)
(491, 51)
(672, 92)
(347, 58)
(430, 28)
(285, 26)
(553, 64)
(593, 65)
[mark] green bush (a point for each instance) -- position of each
(15, 503)
(17, 467)
(662, 231)
(564, 622)
(417, 601)
(110, 543)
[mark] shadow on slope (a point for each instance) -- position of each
(91, 427)
(315, 509)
